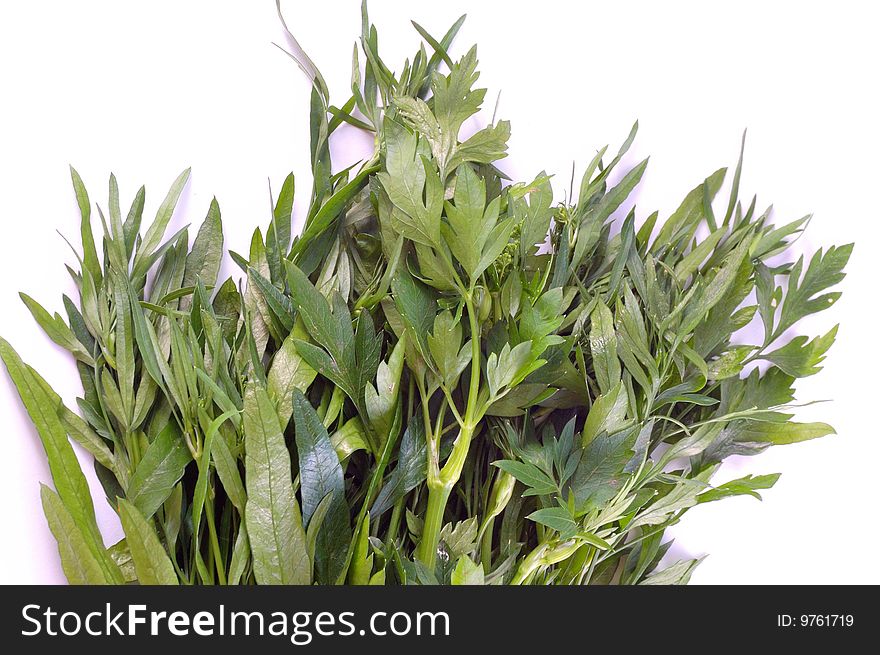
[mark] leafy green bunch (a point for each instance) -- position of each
(446, 378)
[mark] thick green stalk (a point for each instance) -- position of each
(437, 497)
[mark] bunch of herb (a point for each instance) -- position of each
(445, 378)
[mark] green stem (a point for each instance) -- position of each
(473, 389)
(547, 553)
(427, 550)
(369, 497)
(394, 524)
(432, 445)
(486, 545)
(440, 485)
(530, 564)
(215, 543)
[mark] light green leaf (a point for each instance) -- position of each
(692, 261)
(470, 221)
(203, 261)
(69, 480)
(683, 222)
(503, 369)
(227, 470)
(151, 562)
(682, 496)
(361, 565)
(200, 492)
(729, 363)
(557, 518)
(329, 327)
(78, 560)
(467, 572)
(272, 516)
(240, 557)
(120, 554)
(57, 330)
(779, 434)
(717, 287)
(676, 574)
(153, 236)
(413, 185)
(603, 345)
(607, 414)
(287, 372)
(91, 263)
(132, 224)
(350, 438)
(535, 216)
(747, 485)
(380, 401)
(417, 305)
(78, 430)
(485, 147)
(444, 343)
(124, 347)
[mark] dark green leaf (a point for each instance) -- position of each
(162, 466)
(320, 475)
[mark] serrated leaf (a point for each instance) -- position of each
(381, 400)
(413, 186)
(606, 415)
(539, 483)
(601, 471)
(467, 572)
(747, 485)
(804, 296)
(417, 306)
(470, 221)
(801, 358)
(410, 471)
(557, 518)
(447, 352)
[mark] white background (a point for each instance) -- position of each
(146, 89)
